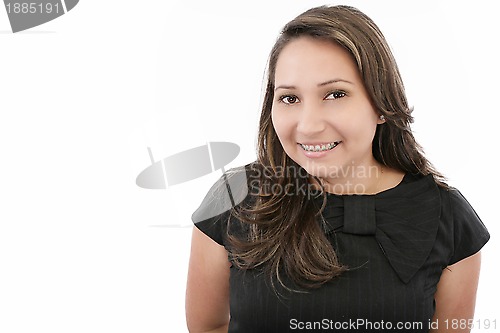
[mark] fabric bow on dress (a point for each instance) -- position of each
(404, 221)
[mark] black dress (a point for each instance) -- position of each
(396, 244)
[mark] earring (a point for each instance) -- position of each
(382, 117)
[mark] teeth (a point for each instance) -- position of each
(317, 148)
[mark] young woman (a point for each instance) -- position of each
(341, 224)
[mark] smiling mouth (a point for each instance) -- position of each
(323, 147)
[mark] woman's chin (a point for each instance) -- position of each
(321, 171)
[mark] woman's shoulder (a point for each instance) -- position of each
(464, 228)
(229, 191)
(450, 197)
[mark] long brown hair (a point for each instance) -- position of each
(283, 235)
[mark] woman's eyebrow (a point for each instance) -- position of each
(319, 84)
(333, 81)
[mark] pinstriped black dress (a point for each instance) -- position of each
(396, 244)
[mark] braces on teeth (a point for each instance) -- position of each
(320, 147)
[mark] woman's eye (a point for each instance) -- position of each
(335, 95)
(289, 99)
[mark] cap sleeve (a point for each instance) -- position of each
(213, 214)
(469, 232)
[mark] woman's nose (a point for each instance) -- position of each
(310, 121)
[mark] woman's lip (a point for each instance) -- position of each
(330, 145)
(316, 143)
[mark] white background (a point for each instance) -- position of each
(83, 249)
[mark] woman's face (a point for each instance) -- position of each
(321, 111)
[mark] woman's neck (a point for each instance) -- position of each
(367, 180)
